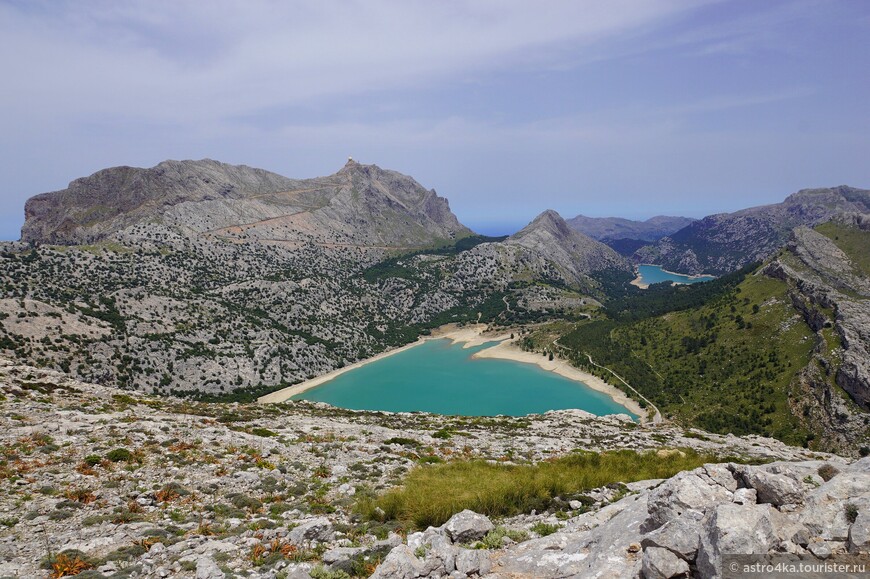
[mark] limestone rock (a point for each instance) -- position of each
(734, 529)
(206, 568)
(660, 563)
(685, 494)
(859, 533)
(467, 526)
(681, 536)
(775, 489)
(401, 563)
(315, 530)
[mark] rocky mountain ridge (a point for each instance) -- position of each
(725, 242)
(613, 228)
(831, 289)
(360, 205)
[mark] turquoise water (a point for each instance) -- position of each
(651, 274)
(438, 376)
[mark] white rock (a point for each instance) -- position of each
(467, 526)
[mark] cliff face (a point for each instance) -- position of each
(360, 205)
(725, 242)
(829, 279)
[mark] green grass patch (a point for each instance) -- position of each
(854, 242)
(430, 495)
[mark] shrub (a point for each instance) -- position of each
(827, 472)
(493, 539)
(264, 432)
(119, 455)
(851, 512)
(241, 501)
(170, 492)
(92, 460)
(544, 529)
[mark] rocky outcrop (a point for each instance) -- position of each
(172, 487)
(682, 527)
(607, 229)
(725, 242)
(831, 289)
(360, 205)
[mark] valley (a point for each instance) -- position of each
(146, 351)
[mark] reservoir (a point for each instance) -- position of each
(650, 274)
(441, 377)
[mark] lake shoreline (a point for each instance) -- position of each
(638, 281)
(508, 350)
(470, 336)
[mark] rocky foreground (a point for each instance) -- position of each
(102, 483)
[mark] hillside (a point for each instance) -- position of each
(725, 242)
(168, 304)
(360, 205)
(608, 229)
(106, 483)
(784, 352)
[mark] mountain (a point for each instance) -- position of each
(574, 253)
(780, 350)
(725, 242)
(613, 228)
(360, 205)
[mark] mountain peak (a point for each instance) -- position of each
(548, 221)
(550, 236)
(361, 205)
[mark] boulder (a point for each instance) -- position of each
(660, 563)
(824, 513)
(341, 557)
(206, 568)
(734, 529)
(774, 489)
(467, 526)
(319, 529)
(401, 563)
(745, 497)
(680, 536)
(472, 562)
(686, 494)
(859, 533)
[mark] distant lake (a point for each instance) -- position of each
(651, 274)
(441, 377)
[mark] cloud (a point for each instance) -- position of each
(194, 61)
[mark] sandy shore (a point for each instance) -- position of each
(507, 350)
(285, 393)
(471, 336)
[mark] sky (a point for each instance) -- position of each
(506, 107)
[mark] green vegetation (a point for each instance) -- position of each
(495, 538)
(120, 455)
(854, 242)
(724, 365)
(395, 266)
(432, 494)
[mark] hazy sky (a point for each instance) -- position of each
(611, 107)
